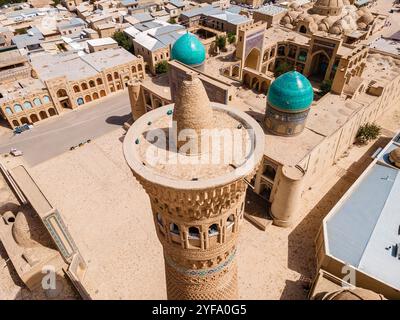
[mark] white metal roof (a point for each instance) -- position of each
(363, 228)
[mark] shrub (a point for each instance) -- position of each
(20, 31)
(123, 40)
(162, 67)
(221, 42)
(231, 37)
(172, 20)
(368, 132)
(282, 68)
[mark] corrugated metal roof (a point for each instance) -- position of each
(271, 9)
(198, 11)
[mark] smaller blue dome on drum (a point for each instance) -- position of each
(189, 50)
(291, 92)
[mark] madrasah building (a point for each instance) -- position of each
(305, 133)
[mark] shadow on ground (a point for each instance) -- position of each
(255, 205)
(118, 120)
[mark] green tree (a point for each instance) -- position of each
(56, 3)
(282, 68)
(325, 86)
(162, 67)
(4, 2)
(172, 20)
(221, 42)
(123, 40)
(367, 132)
(20, 31)
(231, 37)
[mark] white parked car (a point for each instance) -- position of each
(16, 152)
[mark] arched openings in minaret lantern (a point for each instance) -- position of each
(160, 220)
(213, 230)
(194, 233)
(175, 233)
(173, 228)
(230, 221)
(194, 237)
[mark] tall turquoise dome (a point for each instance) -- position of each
(189, 50)
(291, 92)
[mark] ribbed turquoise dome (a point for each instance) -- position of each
(188, 50)
(291, 91)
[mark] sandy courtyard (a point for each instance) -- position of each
(109, 216)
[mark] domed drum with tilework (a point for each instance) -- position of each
(288, 103)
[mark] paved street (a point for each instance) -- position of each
(54, 136)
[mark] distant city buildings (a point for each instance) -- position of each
(63, 81)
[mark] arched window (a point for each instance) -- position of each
(27, 105)
(52, 112)
(303, 29)
(80, 101)
(8, 111)
(116, 75)
(62, 93)
(292, 52)
(281, 51)
(76, 88)
(133, 69)
(213, 230)
(17, 108)
(174, 228)
(269, 172)
(160, 219)
(46, 99)
(37, 102)
(302, 56)
(194, 233)
(84, 86)
(99, 81)
(140, 68)
(92, 84)
(230, 221)
(109, 77)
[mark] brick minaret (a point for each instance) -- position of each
(197, 207)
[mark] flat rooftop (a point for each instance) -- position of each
(388, 45)
(271, 10)
(363, 231)
(105, 59)
(101, 42)
(273, 35)
(11, 57)
(76, 67)
(69, 65)
(20, 88)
